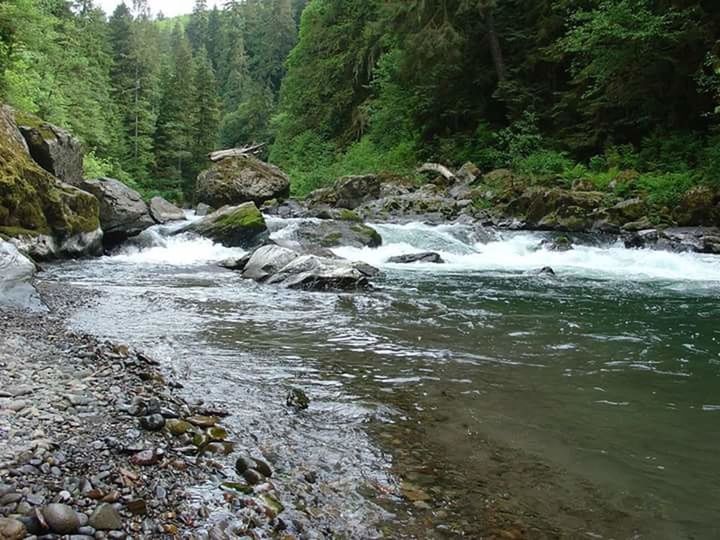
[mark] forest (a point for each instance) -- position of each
(557, 90)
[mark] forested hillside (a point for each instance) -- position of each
(563, 90)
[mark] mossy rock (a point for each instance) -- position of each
(234, 226)
(32, 199)
(335, 233)
(348, 215)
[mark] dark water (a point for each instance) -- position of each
(469, 399)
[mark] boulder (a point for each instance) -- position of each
(555, 208)
(163, 211)
(240, 179)
(16, 274)
(233, 226)
(123, 213)
(628, 211)
(268, 260)
(700, 206)
(334, 233)
(559, 243)
(468, 173)
(203, 210)
(310, 272)
(42, 247)
(427, 257)
(53, 148)
(32, 201)
(353, 191)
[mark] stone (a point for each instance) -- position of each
(123, 213)
(53, 148)
(243, 463)
(352, 191)
(144, 458)
(310, 272)
(468, 173)
(60, 518)
(335, 233)
(630, 210)
(297, 399)
(545, 271)
(163, 211)
(12, 529)
(233, 226)
(267, 260)
(178, 427)
(557, 243)
(236, 180)
(426, 257)
(137, 507)
(153, 422)
(237, 264)
(263, 468)
(105, 518)
(16, 275)
(203, 421)
(202, 210)
(700, 206)
(252, 477)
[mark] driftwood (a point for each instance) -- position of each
(247, 150)
(442, 170)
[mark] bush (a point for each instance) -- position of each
(666, 189)
(544, 163)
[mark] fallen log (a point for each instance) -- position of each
(442, 170)
(248, 150)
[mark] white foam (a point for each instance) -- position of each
(520, 252)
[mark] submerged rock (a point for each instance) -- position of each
(163, 211)
(426, 257)
(297, 399)
(236, 263)
(240, 179)
(545, 271)
(233, 226)
(559, 243)
(123, 213)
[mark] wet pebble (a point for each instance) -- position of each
(60, 518)
(105, 518)
(153, 422)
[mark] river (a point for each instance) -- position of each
(472, 398)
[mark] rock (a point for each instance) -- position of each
(545, 271)
(252, 477)
(137, 507)
(627, 211)
(642, 224)
(144, 459)
(60, 518)
(558, 243)
(310, 272)
(366, 269)
(123, 213)
(555, 208)
(203, 210)
(238, 264)
(153, 422)
(178, 427)
(700, 206)
(16, 274)
(32, 201)
(43, 247)
(53, 148)
(642, 239)
(468, 173)
(263, 468)
(297, 399)
(334, 233)
(203, 421)
(266, 261)
(236, 180)
(233, 226)
(351, 192)
(426, 257)
(105, 518)
(12, 529)
(163, 211)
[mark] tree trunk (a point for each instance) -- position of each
(495, 49)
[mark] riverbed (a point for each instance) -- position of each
(473, 398)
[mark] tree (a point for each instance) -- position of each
(207, 113)
(198, 27)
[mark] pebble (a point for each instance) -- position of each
(61, 518)
(12, 529)
(105, 518)
(154, 422)
(203, 421)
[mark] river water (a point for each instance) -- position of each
(473, 398)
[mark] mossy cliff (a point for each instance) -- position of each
(32, 201)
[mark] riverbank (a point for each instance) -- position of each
(87, 437)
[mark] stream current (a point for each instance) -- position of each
(472, 398)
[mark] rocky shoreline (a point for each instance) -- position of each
(96, 442)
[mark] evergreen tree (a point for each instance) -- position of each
(198, 26)
(207, 112)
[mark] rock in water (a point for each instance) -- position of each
(163, 211)
(238, 264)
(310, 272)
(240, 179)
(203, 210)
(233, 226)
(334, 233)
(105, 518)
(427, 257)
(16, 273)
(153, 422)
(123, 213)
(353, 191)
(61, 518)
(53, 148)
(545, 271)
(267, 260)
(297, 399)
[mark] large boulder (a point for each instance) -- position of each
(699, 206)
(555, 208)
(236, 180)
(353, 191)
(123, 213)
(53, 148)
(233, 226)
(16, 274)
(268, 260)
(32, 201)
(310, 272)
(335, 233)
(164, 211)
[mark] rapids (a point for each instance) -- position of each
(584, 404)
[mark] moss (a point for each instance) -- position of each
(349, 215)
(331, 240)
(25, 119)
(369, 232)
(247, 216)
